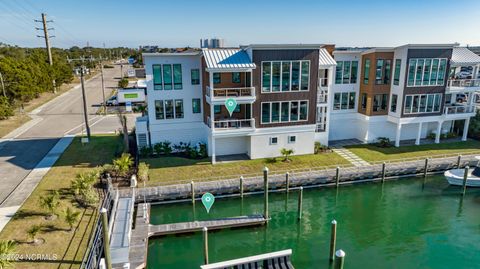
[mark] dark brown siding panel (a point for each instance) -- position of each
(285, 55)
(427, 53)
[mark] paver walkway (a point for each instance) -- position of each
(338, 147)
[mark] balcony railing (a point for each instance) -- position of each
(231, 124)
(459, 109)
(231, 92)
(463, 83)
(322, 98)
(323, 82)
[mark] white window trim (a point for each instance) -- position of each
(271, 142)
(435, 96)
(280, 111)
(423, 72)
(348, 101)
(292, 142)
(174, 109)
(281, 77)
(350, 78)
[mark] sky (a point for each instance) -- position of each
(181, 23)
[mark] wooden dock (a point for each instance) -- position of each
(143, 231)
(194, 226)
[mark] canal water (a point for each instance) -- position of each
(407, 223)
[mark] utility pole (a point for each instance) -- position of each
(3, 85)
(85, 112)
(47, 42)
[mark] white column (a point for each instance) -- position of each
(465, 129)
(398, 135)
(419, 134)
(213, 150)
(439, 132)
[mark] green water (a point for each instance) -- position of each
(404, 224)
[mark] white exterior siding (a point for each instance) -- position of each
(261, 147)
(190, 128)
(232, 145)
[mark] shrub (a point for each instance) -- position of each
(146, 151)
(50, 203)
(384, 142)
(71, 217)
(108, 66)
(82, 187)
(142, 172)
(123, 164)
(123, 83)
(286, 153)
(202, 150)
(7, 248)
(319, 148)
(33, 232)
(431, 136)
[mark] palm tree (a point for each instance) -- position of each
(33, 231)
(50, 203)
(83, 182)
(123, 164)
(285, 153)
(71, 217)
(7, 248)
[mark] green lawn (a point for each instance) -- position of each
(68, 246)
(170, 170)
(372, 153)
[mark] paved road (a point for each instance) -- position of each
(23, 149)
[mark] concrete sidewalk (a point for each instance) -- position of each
(16, 198)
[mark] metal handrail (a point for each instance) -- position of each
(463, 83)
(231, 92)
(234, 123)
(459, 109)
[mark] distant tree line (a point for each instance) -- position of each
(26, 72)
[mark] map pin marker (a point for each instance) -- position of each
(207, 200)
(230, 104)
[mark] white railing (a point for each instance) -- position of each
(463, 83)
(459, 109)
(239, 263)
(231, 123)
(322, 97)
(231, 92)
(323, 82)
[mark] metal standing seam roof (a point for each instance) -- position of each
(463, 56)
(227, 59)
(325, 59)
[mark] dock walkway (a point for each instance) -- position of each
(186, 227)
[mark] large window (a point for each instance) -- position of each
(159, 110)
(426, 72)
(236, 77)
(167, 76)
(393, 103)
(285, 76)
(217, 78)
(157, 77)
(291, 111)
(346, 72)
(396, 74)
(344, 101)
(169, 109)
(422, 103)
(195, 76)
(196, 106)
(380, 102)
(383, 71)
(366, 71)
(177, 76)
(364, 101)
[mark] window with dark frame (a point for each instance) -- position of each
(217, 78)
(195, 76)
(236, 77)
(196, 106)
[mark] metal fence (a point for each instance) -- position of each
(94, 253)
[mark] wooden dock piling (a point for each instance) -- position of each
(241, 186)
(333, 239)
(425, 168)
(300, 201)
(106, 238)
(465, 177)
(337, 176)
(459, 161)
(340, 259)
(287, 181)
(205, 244)
(265, 190)
(192, 190)
(383, 171)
